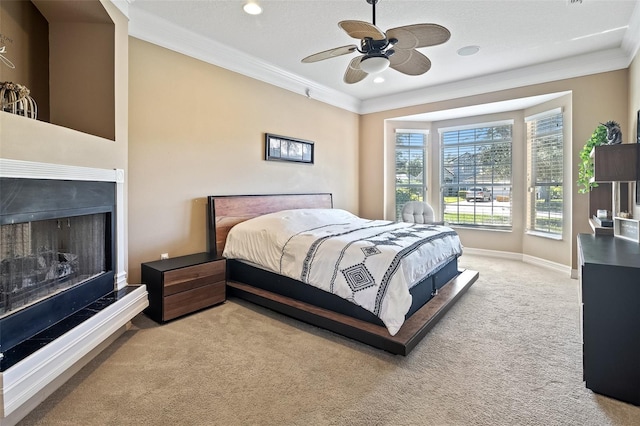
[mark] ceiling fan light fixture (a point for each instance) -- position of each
(252, 8)
(374, 64)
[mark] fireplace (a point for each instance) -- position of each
(56, 252)
(42, 258)
(63, 290)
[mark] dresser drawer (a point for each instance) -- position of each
(192, 300)
(192, 277)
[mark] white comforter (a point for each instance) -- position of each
(372, 263)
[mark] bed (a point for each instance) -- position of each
(394, 322)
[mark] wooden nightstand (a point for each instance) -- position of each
(184, 284)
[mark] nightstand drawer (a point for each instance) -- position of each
(192, 277)
(192, 300)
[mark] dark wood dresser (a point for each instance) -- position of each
(609, 269)
(184, 284)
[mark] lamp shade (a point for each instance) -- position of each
(374, 64)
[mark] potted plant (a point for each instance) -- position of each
(585, 167)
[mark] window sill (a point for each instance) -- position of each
(479, 228)
(544, 235)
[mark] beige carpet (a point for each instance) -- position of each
(508, 353)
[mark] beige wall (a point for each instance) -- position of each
(88, 91)
(196, 130)
(595, 99)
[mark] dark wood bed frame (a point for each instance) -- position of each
(226, 211)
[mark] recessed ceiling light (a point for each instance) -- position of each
(468, 50)
(378, 80)
(252, 8)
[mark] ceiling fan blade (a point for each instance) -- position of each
(410, 62)
(418, 35)
(331, 53)
(361, 29)
(354, 73)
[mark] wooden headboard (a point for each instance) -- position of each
(225, 211)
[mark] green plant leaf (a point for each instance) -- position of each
(585, 167)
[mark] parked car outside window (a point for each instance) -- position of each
(478, 194)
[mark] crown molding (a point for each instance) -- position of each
(158, 31)
(578, 66)
(163, 33)
(123, 6)
(631, 39)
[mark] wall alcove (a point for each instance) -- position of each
(64, 52)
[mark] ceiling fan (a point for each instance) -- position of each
(395, 49)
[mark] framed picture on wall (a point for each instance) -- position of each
(284, 148)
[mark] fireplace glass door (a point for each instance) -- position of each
(42, 258)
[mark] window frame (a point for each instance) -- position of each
(505, 185)
(532, 176)
(424, 185)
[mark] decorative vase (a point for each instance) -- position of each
(14, 98)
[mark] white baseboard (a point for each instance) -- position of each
(522, 257)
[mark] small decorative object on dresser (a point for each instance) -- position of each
(614, 134)
(602, 218)
(627, 228)
(184, 284)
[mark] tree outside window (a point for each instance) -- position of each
(545, 178)
(476, 175)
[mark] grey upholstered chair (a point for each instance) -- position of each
(417, 212)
